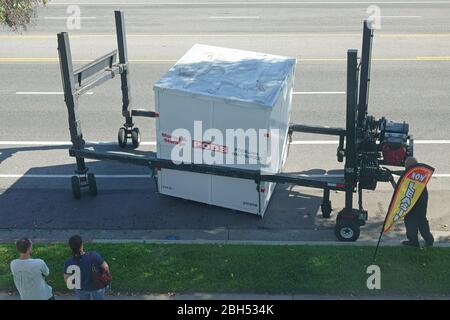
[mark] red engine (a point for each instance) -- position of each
(394, 156)
(396, 144)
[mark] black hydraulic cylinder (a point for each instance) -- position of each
(366, 56)
(317, 130)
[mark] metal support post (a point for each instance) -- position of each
(70, 98)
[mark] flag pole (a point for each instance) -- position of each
(378, 244)
(394, 185)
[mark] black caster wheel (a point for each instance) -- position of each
(135, 138)
(92, 184)
(122, 138)
(326, 209)
(76, 187)
(347, 230)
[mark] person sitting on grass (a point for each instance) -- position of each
(29, 273)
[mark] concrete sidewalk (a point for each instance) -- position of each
(245, 296)
(215, 236)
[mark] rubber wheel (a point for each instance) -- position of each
(347, 230)
(136, 138)
(122, 138)
(92, 184)
(326, 210)
(76, 188)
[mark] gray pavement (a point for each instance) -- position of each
(410, 76)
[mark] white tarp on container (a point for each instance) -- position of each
(229, 74)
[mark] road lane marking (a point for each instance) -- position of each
(318, 142)
(314, 142)
(436, 58)
(65, 143)
(45, 93)
(401, 17)
(432, 141)
(90, 92)
(56, 60)
(216, 3)
(64, 176)
(145, 176)
(153, 143)
(235, 17)
(317, 92)
(66, 18)
(237, 34)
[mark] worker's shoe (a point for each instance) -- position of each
(410, 244)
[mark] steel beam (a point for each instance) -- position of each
(70, 98)
(350, 141)
(94, 67)
(123, 60)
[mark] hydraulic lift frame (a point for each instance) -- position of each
(349, 220)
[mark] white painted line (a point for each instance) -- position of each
(314, 142)
(90, 92)
(236, 17)
(317, 92)
(401, 17)
(65, 18)
(45, 93)
(247, 3)
(64, 143)
(65, 176)
(431, 141)
(145, 176)
(153, 143)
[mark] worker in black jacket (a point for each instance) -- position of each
(416, 219)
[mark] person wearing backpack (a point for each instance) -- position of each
(94, 271)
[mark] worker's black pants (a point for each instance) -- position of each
(417, 221)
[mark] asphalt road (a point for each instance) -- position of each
(409, 82)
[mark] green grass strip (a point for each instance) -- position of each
(252, 269)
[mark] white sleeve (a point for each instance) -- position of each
(45, 270)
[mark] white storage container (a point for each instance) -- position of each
(225, 89)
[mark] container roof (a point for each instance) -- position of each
(229, 74)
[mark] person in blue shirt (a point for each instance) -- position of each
(86, 261)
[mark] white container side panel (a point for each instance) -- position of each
(178, 114)
(240, 127)
(234, 193)
(186, 185)
(287, 100)
(233, 120)
(280, 117)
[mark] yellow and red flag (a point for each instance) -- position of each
(409, 188)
